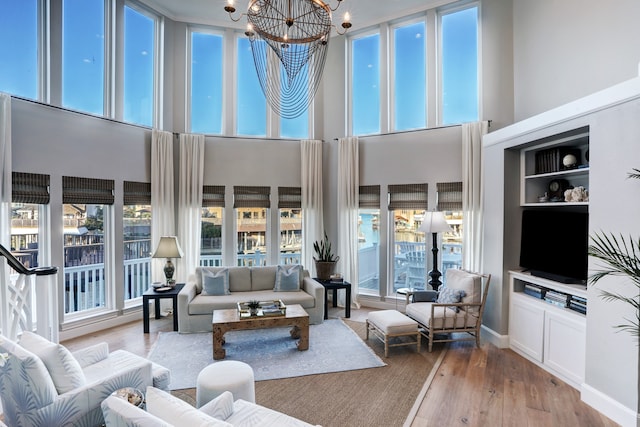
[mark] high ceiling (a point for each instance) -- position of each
(363, 12)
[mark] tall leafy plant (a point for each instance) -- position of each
(621, 256)
(323, 250)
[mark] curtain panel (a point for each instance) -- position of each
(472, 209)
(348, 201)
(162, 195)
(190, 203)
(312, 205)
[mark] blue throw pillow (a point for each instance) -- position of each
(288, 278)
(450, 296)
(215, 283)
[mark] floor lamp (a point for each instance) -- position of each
(434, 223)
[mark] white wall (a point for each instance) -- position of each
(564, 50)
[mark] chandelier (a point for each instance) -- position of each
(289, 41)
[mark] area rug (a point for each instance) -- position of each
(333, 347)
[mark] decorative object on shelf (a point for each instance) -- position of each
(168, 248)
(289, 41)
(434, 222)
(262, 308)
(622, 258)
(544, 199)
(569, 161)
(553, 159)
(325, 259)
(577, 194)
(557, 188)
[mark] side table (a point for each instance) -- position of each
(334, 286)
(151, 294)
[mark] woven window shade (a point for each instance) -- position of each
(29, 188)
(251, 197)
(449, 196)
(289, 198)
(213, 196)
(87, 190)
(137, 193)
(408, 196)
(369, 196)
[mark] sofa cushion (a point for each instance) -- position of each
(176, 411)
(442, 318)
(263, 278)
(215, 283)
(470, 283)
(288, 278)
(119, 412)
(64, 369)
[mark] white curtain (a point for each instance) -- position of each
(5, 206)
(312, 210)
(162, 195)
(348, 188)
(472, 194)
(190, 203)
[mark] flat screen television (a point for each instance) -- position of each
(554, 244)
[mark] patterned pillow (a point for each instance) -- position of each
(64, 369)
(219, 408)
(176, 411)
(450, 296)
(215, 283)
(288, 278)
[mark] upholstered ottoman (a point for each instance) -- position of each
(227, 375)
(387, 324)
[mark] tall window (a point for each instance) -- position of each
(19, 33)
(136, 234)
(410, 77)
(139, 67)
(459, 52)
(212, 225)
(86, 202)
(252, 206)
(206, 82)
(369, 240)
(407, 204)
(251, 109)
(450, 202)
(290, 207)
(83, 40)
(30, 192)
(365, 83)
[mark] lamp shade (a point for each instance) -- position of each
(168, 247)
(434, 222)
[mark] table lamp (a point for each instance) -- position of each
(434, 222)
(168, 248)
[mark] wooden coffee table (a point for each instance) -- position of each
(229, 320)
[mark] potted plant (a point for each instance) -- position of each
(253, 305)
(622, 258)
(324, 258)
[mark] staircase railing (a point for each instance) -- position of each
(33, 285)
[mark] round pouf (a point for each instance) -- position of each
(227, 375)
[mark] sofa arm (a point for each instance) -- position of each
(186, 295)
(92, 354)
(316, 290)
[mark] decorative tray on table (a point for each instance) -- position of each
(267, 309)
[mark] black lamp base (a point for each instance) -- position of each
(435, 274)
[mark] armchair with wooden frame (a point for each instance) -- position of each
(454, 313)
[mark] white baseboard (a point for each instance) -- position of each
(610, 407)
(500, 341)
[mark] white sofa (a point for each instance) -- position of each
(195, 310)
(166, 410)
(43, 384)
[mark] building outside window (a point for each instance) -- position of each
(19, 53)
(290, 209)
(252, 208)
(136, 234)
(369, 240)
(212, 225)
(206, 82)
(83, 68)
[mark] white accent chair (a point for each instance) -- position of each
(166, 410)
(43, 384)
(454, 313)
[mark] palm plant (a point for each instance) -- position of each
(621, 256)
(323, 250)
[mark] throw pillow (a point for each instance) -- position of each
(221, 407)
(450, 296)
(215, 283)
(288, 278)
(64, 369)
(176, 411)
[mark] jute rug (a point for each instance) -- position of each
(368, 397)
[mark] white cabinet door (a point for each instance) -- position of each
(526, 326)
(564, 347)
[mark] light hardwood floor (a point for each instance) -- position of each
(472, 387)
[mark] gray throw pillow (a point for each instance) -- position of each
(215, 283)
(288, 278)
(450, 296)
